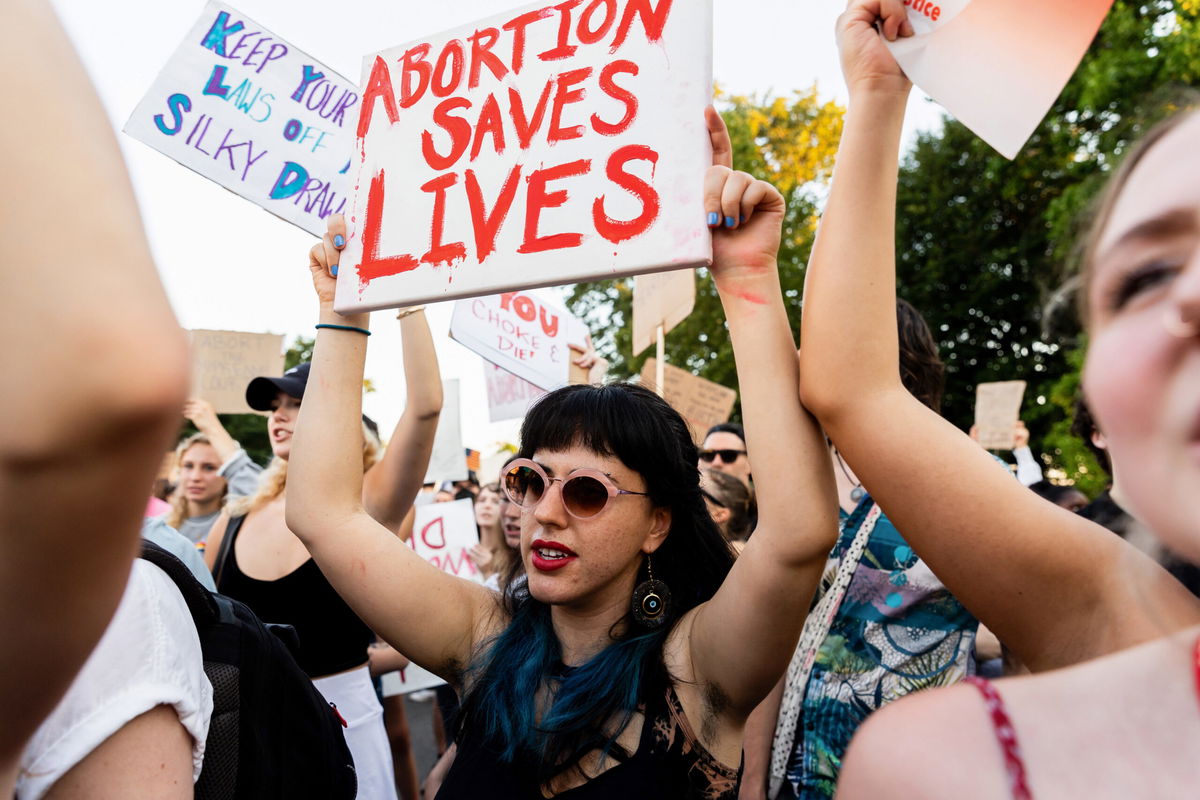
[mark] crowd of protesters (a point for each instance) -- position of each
(740, 614)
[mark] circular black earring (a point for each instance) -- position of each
(651, 600)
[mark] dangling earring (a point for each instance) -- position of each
(651, 600)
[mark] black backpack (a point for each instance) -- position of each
(272, 735)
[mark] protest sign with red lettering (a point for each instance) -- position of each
(702, 403)
(443, 534)
(526, 333)
(561, 142)
(267, 121)
(509, 397)
(997, 65)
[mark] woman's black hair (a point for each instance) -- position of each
(593, 703)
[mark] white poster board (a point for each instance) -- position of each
(408, 680)
(664, 298)
(551, 144)
(509, 397)
(224, 363)
(525, 333)
(997, 65)
(443, 533)
(449, 460)
(267, 121)
(702, 403)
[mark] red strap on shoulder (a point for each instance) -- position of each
(1006, 736)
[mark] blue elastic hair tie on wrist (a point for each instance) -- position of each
(344, 328)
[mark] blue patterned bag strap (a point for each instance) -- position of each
(816, 628)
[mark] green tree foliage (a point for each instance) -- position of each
(788, 141)
(983, 244)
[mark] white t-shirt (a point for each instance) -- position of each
(148, 656)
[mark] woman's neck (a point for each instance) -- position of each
(584, 632)
(195, 509)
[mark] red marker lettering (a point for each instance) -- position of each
(615, 230)
(458, 128)
(653, 22)
(454, 56)
(589, 35)
(518, 26)
(490, 121)
(441, 252)
(482, 43)
(562, 50)
(379, 87)
(411, 62)
(610, 87)
(526, 127)
(488, 225)
(538, 199)
(565, 96)
(373, 266)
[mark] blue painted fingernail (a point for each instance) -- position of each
(339, 241)
(730, 222)
(333, 270)
(742, 220)
(714, 219)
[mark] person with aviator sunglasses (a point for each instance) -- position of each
(631, 659)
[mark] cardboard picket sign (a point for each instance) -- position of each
(997, 409)
(248, 110)
(556, 143)
(664, 298)
(525, 333)
(997, 65)
(701, 402)
(224, 362)
(448, 461)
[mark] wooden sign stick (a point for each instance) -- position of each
(660, 360)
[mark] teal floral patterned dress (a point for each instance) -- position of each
(898, 630)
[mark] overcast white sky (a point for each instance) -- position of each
(229, 265)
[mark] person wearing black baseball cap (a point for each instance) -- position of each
(270, 570)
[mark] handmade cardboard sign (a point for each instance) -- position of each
(997, 65)
(557, 143)
(449, 460)
(997, 409)
(526, 333)
(509, 397)
(224, 362)
(666, 299)
(700, 402)
(267, 121)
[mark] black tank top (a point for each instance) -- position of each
(332, 638)
(669, 764)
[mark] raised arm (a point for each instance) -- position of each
(430, 616)
(742, 639)
(390, 487)
(1005, 553)
(95, 371)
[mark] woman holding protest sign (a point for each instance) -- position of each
(636, 653)
(1054, 587)
(258, 560)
